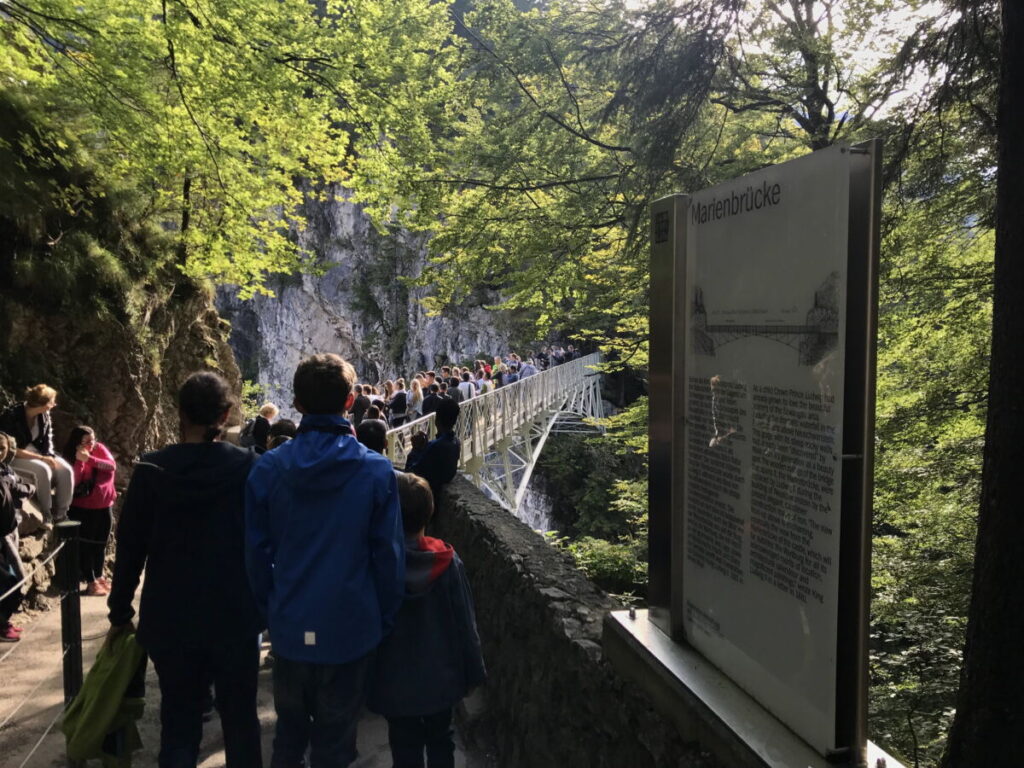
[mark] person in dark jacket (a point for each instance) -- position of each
(437, 461)
(183, 521)
(432, 658)
(359, 406)
(261, 427)
(29, 423)
(432, 400)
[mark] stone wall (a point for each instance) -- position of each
(551, 699)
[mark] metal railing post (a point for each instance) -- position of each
(70, 607)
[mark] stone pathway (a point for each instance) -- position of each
(31, 696)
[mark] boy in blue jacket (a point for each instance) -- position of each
(324, 547)
(432, 658)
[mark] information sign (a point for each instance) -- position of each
(748, 448)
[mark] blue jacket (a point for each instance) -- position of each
(324, 544)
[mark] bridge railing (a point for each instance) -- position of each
(487, 420)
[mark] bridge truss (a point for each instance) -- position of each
(502, 432)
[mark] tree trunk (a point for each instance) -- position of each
(989, 723)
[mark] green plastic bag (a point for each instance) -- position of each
(100, 723)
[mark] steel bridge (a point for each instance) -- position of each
(502, 432)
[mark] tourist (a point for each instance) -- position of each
(432, 658)
(373, 434)
(512, 375)
(557, 355)
(282, 428)
(487, 384)
(374, 414)
(325, 551)
(415, 400)
(261, 427)
(91, 504)
(498, 371)
(182, 521)
(527, 370)
(30, 425)
(466, 387)
(399, 404)
(432, 399)
(437, 461)
(359, 406)
(542, 359)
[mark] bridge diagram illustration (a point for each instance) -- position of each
(812, 340)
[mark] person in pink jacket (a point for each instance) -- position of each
(91, 503)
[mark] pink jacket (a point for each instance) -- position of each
(100, 469)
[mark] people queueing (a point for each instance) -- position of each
(281, 431)
(359, 406)
(91, 504)
(30, 425)
(416, 399)
(261, 426)
(373, 434)
(182, 523)
(431, 659)
(326, 560)
(466, 387)
(437, 461)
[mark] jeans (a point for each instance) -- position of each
(61, 479)
(317, 707)
(185, 677)
(409, 736)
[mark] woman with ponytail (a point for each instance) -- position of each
(183, 523)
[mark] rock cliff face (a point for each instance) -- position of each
(359, 307)
(119, 378)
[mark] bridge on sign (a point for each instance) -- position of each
(502, 432)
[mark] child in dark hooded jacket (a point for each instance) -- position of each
(432, 658)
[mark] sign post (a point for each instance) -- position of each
(763, 304)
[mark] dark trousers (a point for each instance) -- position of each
(317, 707)
(410, 736)
(92, 542)
(185, 678)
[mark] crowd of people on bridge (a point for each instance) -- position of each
(398, 401)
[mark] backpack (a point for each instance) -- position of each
(245, 438)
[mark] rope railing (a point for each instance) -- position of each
(36, 567)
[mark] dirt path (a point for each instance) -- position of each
(31, 697)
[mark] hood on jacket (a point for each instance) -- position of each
(426, 559)
(316, 460)
(197, 470)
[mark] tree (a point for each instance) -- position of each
(989, 714)
(220, 110)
